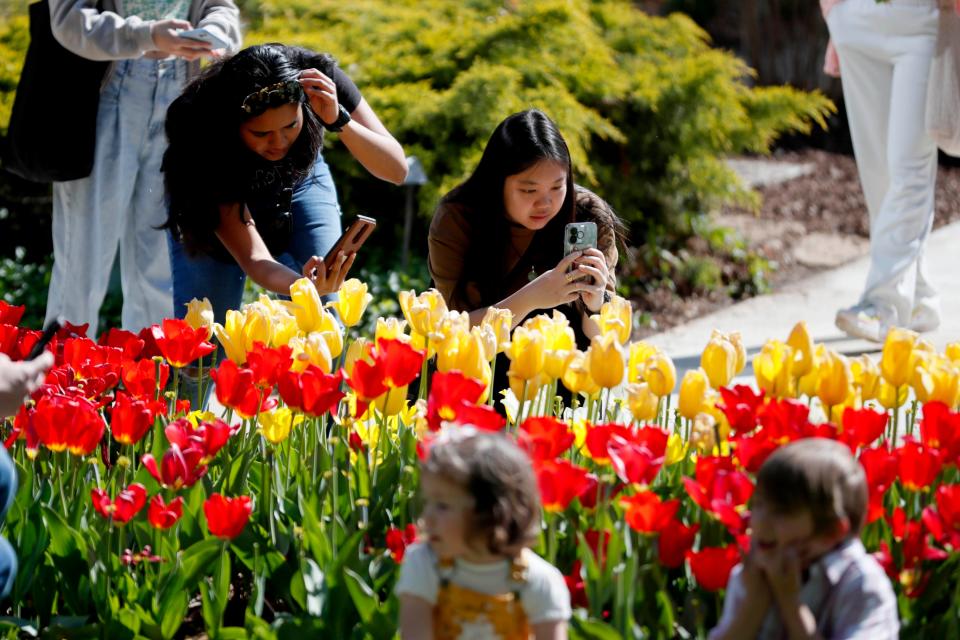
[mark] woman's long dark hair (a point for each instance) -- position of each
(206, 163)
(519, 142)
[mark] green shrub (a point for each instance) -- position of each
(648, 108)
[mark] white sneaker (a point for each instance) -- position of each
(864, 321)
(924, 319)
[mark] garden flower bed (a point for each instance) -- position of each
(140, 515)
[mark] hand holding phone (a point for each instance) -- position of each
(205, 36)
(48, 333)
(352, 239)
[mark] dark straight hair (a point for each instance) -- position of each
(519, 142)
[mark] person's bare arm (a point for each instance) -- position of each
(240, 236)
(554, 630)
(416, 618)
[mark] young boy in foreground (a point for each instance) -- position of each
(807, 574)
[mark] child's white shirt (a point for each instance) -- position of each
(543, 594)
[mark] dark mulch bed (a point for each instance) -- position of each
(829, 200)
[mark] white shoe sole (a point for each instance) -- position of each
(851, 327)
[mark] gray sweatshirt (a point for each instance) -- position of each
(109, 35)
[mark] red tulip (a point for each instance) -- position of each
(23, 427)
(647, 513)
(164, 516)
(399, 539)
(140, 377)
(400, 362)
(131, 418)
(268, 364)
(598, 541)
(208, 437)
(719, 490)
(712, 566)
(226, 517)
(10, 314)
(126, 505)
(917, 465)
(545, 438)
(448, 392)
(66, 422)
(862, 426)
(880, 466)
(634, 463)
(944, 522)
(129, 344)
(150, 348)
(576, 587)
(179, 343)
(17, 342)
(675, 540)
(560, 482)
(235, 389)
(179, 468)
(752, 451)
(740, 405)
(368, 383)
(940, 429)
(598, 437)
(481, 416)
(313, 391)
(784, 420)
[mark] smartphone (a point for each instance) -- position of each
(45, 338)
(204, 36)
(578, 236)
(352, 239)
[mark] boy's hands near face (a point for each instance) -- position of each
(783, 573)
(755, 583)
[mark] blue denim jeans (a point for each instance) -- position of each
(8, 490)
(316, 226)
(119, 205)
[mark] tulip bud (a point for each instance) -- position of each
(606, 359)
(703, 435)
(200, 314)
(615, 317)
(639, 353)
(352, 301)
(660, 373)
(391, 329)
(577, 378)
(526, 353)
(501, 322)
(802, 345)
(719, 361)
(866, 376)
(642, 402)
(835, 382)
(896, 362)
(773, 369)
(693, 390)
(891, 397)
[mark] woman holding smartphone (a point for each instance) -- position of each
(248, 191)
(497, 239)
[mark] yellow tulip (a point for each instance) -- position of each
(285, 328)
(719, 361)
(936, 380)
(773, 368)
(230, 336)
(310, 349)
(200, 314)
(703, 435)
(606, 360)
(736, 340)
(464, 352)
(196, 417)
(637, 357)
(452, 323)
(308, 307)
(615, 317)
(642, 402)
(352, 301)
(710, 402)
(488, 340)
(524, 389)
(559, 342)
(359, 349)
(258, 326)
(391, 329)
(835, 380)
(802, 345)
(501, 322)
(526, 353)
(807, 385)
(891, 397)
(953, 352)
(577, 376)
(660, 373)
(392, 402)
(897, 360)
(866, 376)
(275, 425)
(693, 391)
(423, 311)
(676, 450)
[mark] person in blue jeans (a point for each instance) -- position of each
(248, 191)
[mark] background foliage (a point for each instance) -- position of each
(648, 108)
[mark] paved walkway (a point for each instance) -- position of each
(816, 300)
